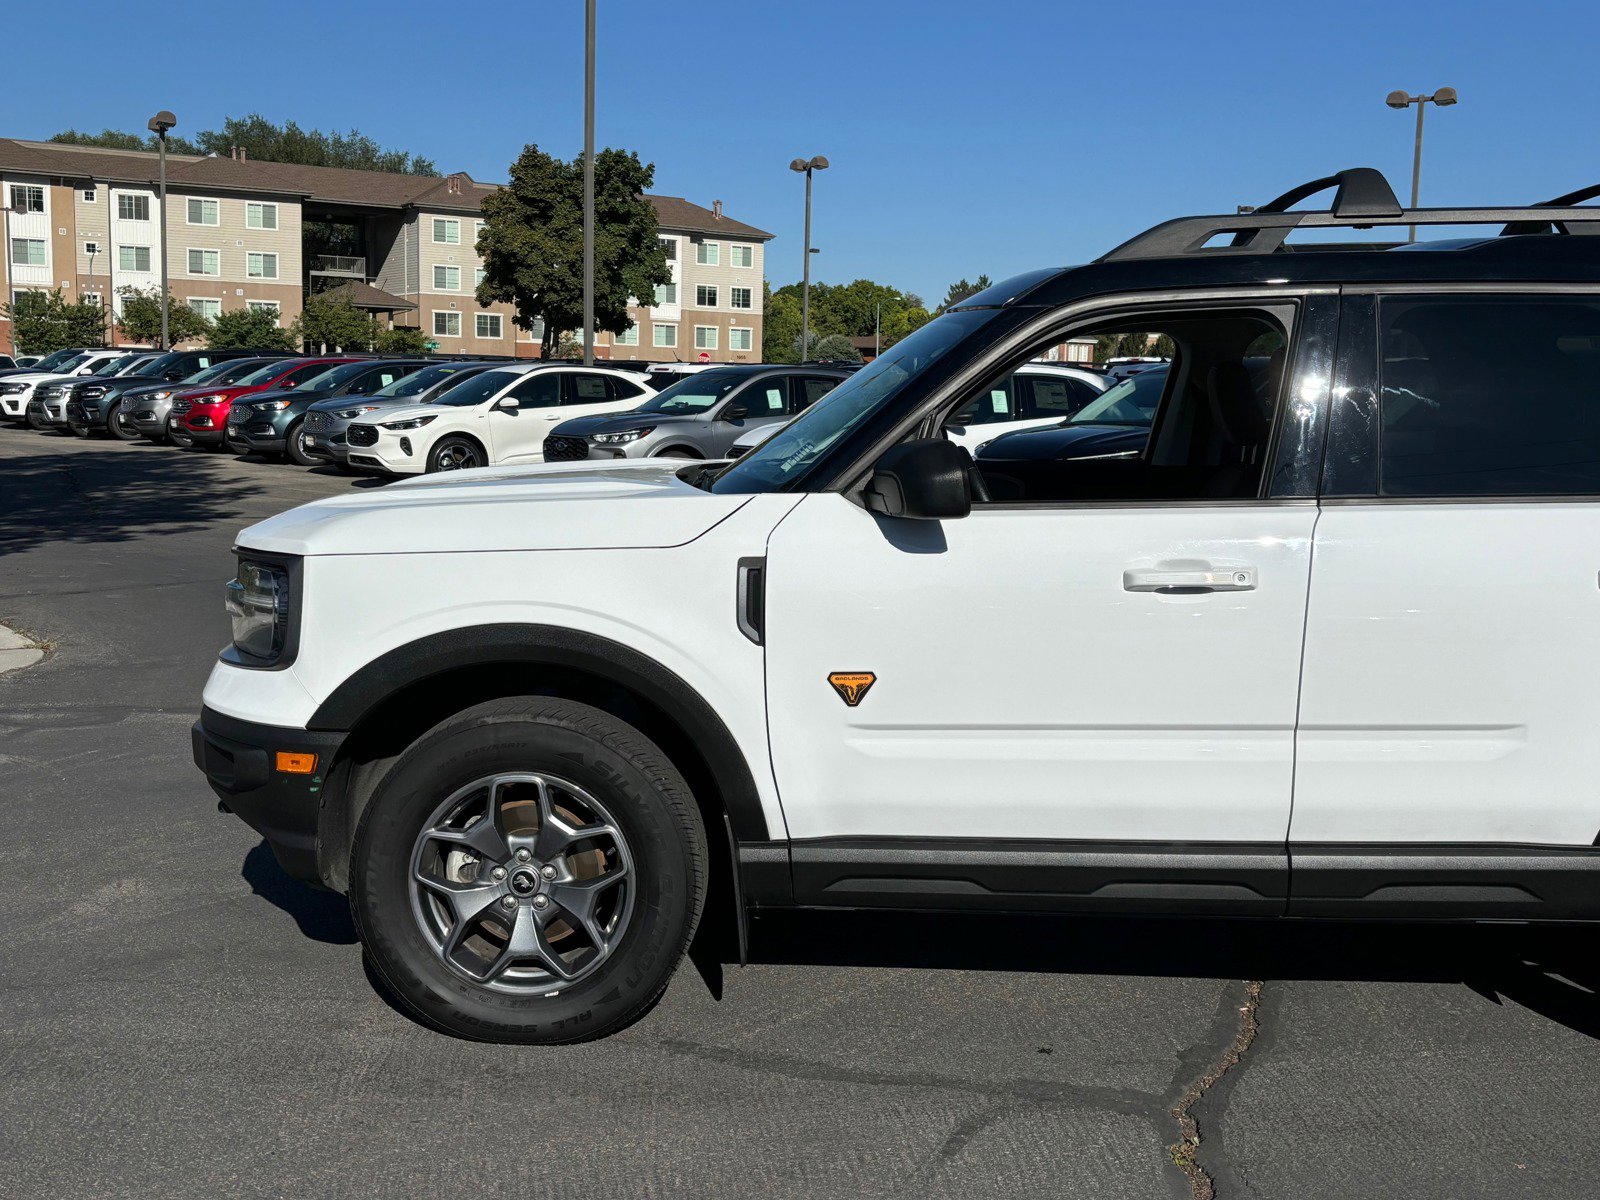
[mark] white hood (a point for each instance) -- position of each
(566, 506)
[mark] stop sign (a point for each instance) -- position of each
(704, 357)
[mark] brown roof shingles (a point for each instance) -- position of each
(328, 185)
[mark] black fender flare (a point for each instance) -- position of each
(552, 645)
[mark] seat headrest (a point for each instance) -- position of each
(1235, 407)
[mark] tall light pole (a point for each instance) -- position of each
(1403, 99)
(588, 185)
(159, 125)
(806, 166)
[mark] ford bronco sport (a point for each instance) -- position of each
(1320, 642)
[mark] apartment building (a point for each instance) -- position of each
(242, 233)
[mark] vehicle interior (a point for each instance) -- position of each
(1208, 437)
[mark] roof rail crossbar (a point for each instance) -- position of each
(1361, 192)
(1518, 228)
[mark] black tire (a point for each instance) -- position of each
(179, 436)
(118, 428)
(35, 423)
(648, 801)
(294, 451)
(454, 453)
(82, 431)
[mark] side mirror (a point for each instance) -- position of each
(509, 403)
(925, 480)
(735, 412)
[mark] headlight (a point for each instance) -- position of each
(413, 423)
(11, 389)
(350, 414)
(161, 395)
(619, 439)
(272, 405)
(257, 600)
(214, 398)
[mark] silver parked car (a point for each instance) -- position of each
(698, 417)
(327, 427)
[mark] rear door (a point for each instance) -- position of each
(1453, 631)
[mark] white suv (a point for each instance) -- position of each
(1312, 636)
(500, 416)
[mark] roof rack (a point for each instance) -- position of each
(1362, 199)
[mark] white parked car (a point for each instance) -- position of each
(1034, 395)
(18, 390)
(497, 417)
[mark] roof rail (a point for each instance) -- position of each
(1363, 199)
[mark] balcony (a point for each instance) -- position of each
(339, 266)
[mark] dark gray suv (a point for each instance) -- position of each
(698, 417)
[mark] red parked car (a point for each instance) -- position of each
(199, 416)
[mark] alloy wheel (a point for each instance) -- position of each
(522, 883)
(457, 456)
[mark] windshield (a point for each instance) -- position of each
(477, 389)
(1132, 402)
(422, 381)
(55, 358)
(71, 364)
(334, 376)
(226, 372)
(153, 367)
(789, 454)
(697, 393)
(263, 373)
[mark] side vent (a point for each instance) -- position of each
(751, 613)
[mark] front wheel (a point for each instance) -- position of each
(35, 422)
(454, 454)
(179, 436)
(531, 870)
(294, 446)
(120, 426)
(82, 431)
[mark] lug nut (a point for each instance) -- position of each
(540, 901)
(508, 902)
(548, 872)
(523, 855)
(498, 873)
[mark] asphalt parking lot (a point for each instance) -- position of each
(182, 1020)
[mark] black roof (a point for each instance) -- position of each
(1548, 243)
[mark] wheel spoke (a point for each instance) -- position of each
(484, 837)
(466, 900)
(555, 834)
(579, 900)
(528, 940)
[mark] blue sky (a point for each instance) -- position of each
(964, 137)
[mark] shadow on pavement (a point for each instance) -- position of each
(48, 495)
(322, 916)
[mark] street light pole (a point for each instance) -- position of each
(814, 163)
(588, 185)
(1403, 99)
(159, 125)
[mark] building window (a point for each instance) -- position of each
(205, 262)
(209, 309)
(133, 258)
(666, 293)
(446, 324)
(705, 295)
(261, 265)
(664, 335)
(705, 337)
(133, 208)
(741, 256)
(26, 197)
(91, 248)
(271, 306)
(740, 339)
(261, 216)
(707, 254)
(90, 194)
(671, 247)
(477, 233)
(447, 231)
(488, 325)
(739, 297)
(27, 252)
(203, 212)
(91, 298)
(628, 337)
(478, 277)
(537, 332)
(446, 279)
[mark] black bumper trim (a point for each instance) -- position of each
(237, 759)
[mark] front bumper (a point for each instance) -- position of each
(394, 453)
(14, 406)
(51, 412)
(89, 414)
(239, 760)
(256, 435)
(206, 435)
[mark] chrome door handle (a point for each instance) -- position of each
(1214, 579)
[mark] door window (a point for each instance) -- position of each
(809, 389)
(583, 388)
(540, 390)
(766, 398)
(992, 405)
(1489, 396)
(1041, 396)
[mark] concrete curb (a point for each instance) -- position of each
(16, 651)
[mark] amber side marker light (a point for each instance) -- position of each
(291, 763)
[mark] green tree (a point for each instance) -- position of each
(780, 329)
(270, 142)
(249, 328)
(43, 322)
(532, 242)
(327, 325)
(832, 347)
(402, 339)
(141, 317)
(961, 289)
(1163, 346)
(855, 309)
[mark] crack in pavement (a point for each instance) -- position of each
(1186, 1151)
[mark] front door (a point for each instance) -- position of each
(517, 434)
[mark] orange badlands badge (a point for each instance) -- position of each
(852, 686)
